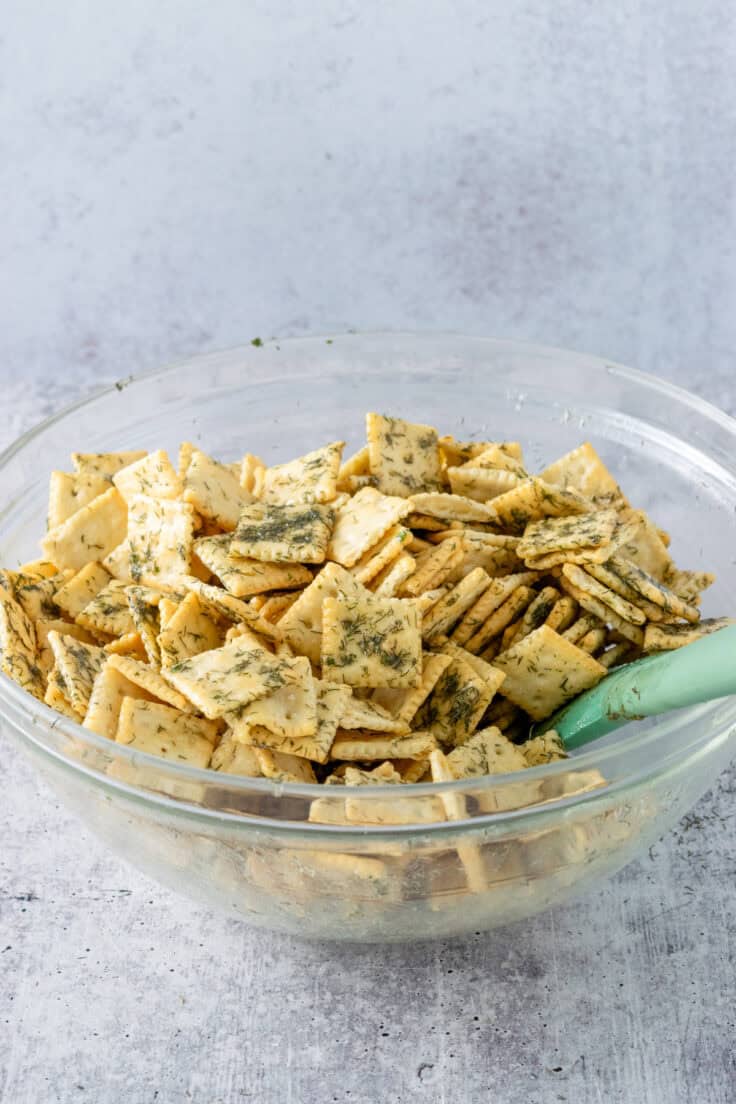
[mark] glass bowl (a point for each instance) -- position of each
(499, 848)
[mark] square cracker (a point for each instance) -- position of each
(280, 533)
(226, 679)
(654, 591)
(310, 478)
(252, 471)
(34, 594)
(492, 598)
(644, 546)
(57, 699)
(20, 659)
(231, 757)
(78, 664)
(283, 767)
(331, 702)
(106, 464)
(560, 534)
(434, 564)
(545, 748)
(357, 464)
(625, 609)
(108, 612)
(388, 549)
(367, 715)
(392, 578)
(481, 484)
(370, 747)
(44, 627)
(69, 491)
(403, 704)
(583, 470)
(90, 533)
(404, 456)
(664, 638)
(152, 475)
(143, 603)
(450, 507)
(488, 751)
(191, 629)
(160, 730)
(230, 607)
(159, 539)
(543, 671)
(214, 489)
(148, 679)
(105, 701)
(289, 712)
(533, 499)
(451, 607)
(361, 522)
(243, 577)
(128, 645)
(458, 702)
(371, 641)
(593, 605)
(77, 592)
(301, 625)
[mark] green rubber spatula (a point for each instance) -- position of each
(701, 671)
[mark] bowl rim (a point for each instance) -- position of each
(28, 715)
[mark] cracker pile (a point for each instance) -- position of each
(398, 617)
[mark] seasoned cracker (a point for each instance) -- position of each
(19, 655)
(308, 479)
(252, 472)
(160, 730)
(610, 598)
(562, 534)
(287, 533)
(434, 565)
(143, 603)
(70, 491)
(481, 484)
(605, 574)
(331, 702)
(451, 607)
(688, 585)
(389, 582)
(301, 625)
(543, 671)
(488, 751)
(362, 522)
(369, 747)
(283, 767)
(159, 540)
(109, 689)
(534, 499)
(77, 592)
(149, 679)
(106, 464)
(57, 699)
(494, 595)
(371, 641)
(603, 612)
(34, 594)
(664, 638)
(289, 712)
(644, 546)
(537, 613)
(214, 490)
(244, 577)
(403, 704)
(90, 533)
(190, 630)
(128, 645)
(450, 507)
(371, 717)
(563, 614)
(458, 701)
(78, 664)
(108, 612)
(404, 456)
(153, 475)
(546, 748)
(583, 470)
(44, 627)
(593, 641)
(356, 465)
(656, 592)
(231, 757)
(388, 548)
(231, 608)
(509, 611)
(226, 679)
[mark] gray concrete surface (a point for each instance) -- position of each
(179, 177)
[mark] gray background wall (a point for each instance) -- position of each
(178, 176)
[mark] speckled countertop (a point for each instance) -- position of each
(182, 177)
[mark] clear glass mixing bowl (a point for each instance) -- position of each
(517, 843)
